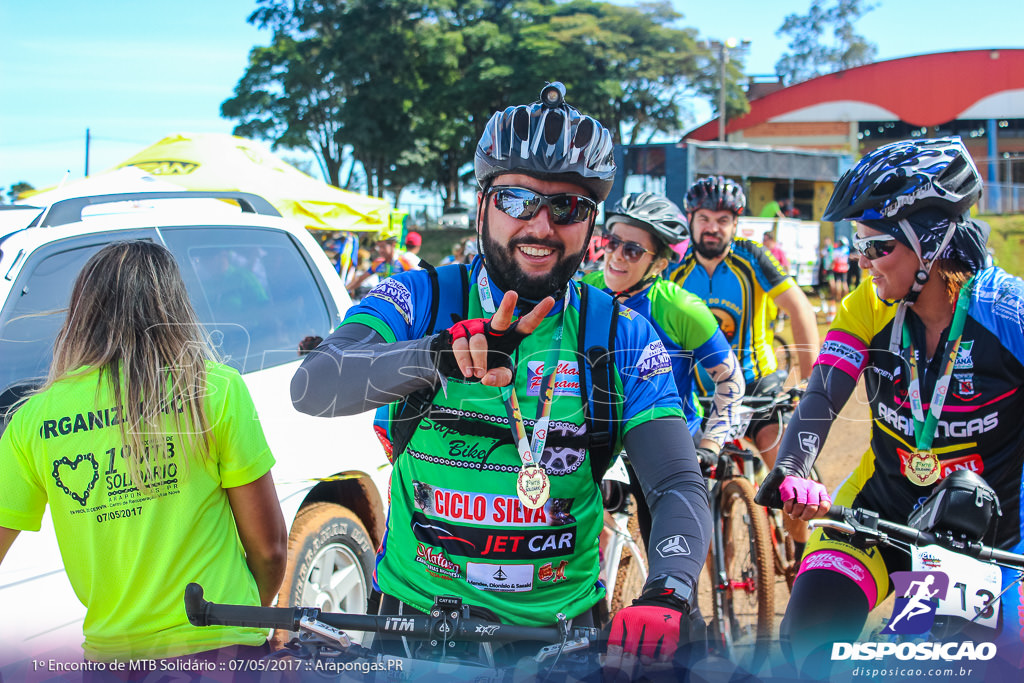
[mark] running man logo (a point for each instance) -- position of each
(917, 597)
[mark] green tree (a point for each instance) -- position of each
(405, 87)
(16, 190)
(824, 41)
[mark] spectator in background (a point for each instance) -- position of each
(772, 245)
(413, 242)
(456, 255)
(470, 249)
(772, 209)
(390, 260)
(839, 285)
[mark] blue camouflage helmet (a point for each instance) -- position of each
(902, 178)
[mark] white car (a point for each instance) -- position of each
(331, 473)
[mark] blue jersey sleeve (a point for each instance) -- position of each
(645, 370)
(714, 351)
(398, 308)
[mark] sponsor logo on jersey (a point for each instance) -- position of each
(836, 562)
(963, 356)
(956, 429)
(491, 509)
(397, 295)
(972, 462)
(841, 351)
(654, 361)
(546, 572)
(502, 578)
(567, 378)
(437, 562)
(964, 386)
(627, 312)
(511, 543)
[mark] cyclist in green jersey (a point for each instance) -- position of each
(639, 234)
(487, 504)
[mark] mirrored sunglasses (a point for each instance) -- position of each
(874, 247)
(523, 204)
(631, 251)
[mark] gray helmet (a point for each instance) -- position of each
(904, 177)
(548, 140)
(651, 212)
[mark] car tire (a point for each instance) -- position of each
(330, 562)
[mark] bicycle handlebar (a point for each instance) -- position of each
(785, 399)
(204, 613)
(869, 525)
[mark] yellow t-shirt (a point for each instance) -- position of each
(129, 556)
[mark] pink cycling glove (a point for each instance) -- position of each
(805, 491)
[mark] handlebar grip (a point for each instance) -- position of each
(204, 613)
(838, 513)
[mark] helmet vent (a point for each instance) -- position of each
(553, 124)
(584, 133)
(521, 123)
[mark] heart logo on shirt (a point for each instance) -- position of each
(76, 481)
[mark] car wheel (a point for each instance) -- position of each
(330, 561)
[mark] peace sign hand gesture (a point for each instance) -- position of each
(482, 349)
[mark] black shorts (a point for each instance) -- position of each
(838, 278)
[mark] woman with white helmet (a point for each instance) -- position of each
(939, 340)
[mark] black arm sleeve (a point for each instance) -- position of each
(355, 370)
(827, 393)
(663, 457)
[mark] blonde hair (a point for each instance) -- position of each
(953, 274)
(130, 317)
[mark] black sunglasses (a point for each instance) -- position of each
(631, 251)
(874, 247)
(523, 204)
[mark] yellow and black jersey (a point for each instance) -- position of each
(738, 293)
(979, 427)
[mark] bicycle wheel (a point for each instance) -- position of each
(627, 562)
(784, 355)
(748, 585)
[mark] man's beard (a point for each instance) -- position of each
(708, 251)
(506, 273)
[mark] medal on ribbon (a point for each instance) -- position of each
(922, 468)
(533, 486)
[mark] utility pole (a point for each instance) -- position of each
(86, 152)
(723, 47)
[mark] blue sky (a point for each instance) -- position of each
(134, 72)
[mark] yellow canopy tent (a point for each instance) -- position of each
(217, 161)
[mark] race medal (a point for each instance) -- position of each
(533, 486)
(922, 468)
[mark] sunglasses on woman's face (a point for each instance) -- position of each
(631, 251)
(523, 204)
(874, 247)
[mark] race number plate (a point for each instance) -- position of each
(740, 423)
(973, 585)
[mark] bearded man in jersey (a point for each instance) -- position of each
(488, 502)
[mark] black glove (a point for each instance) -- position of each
(708, 460)
(768, 492)
(500, 345)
